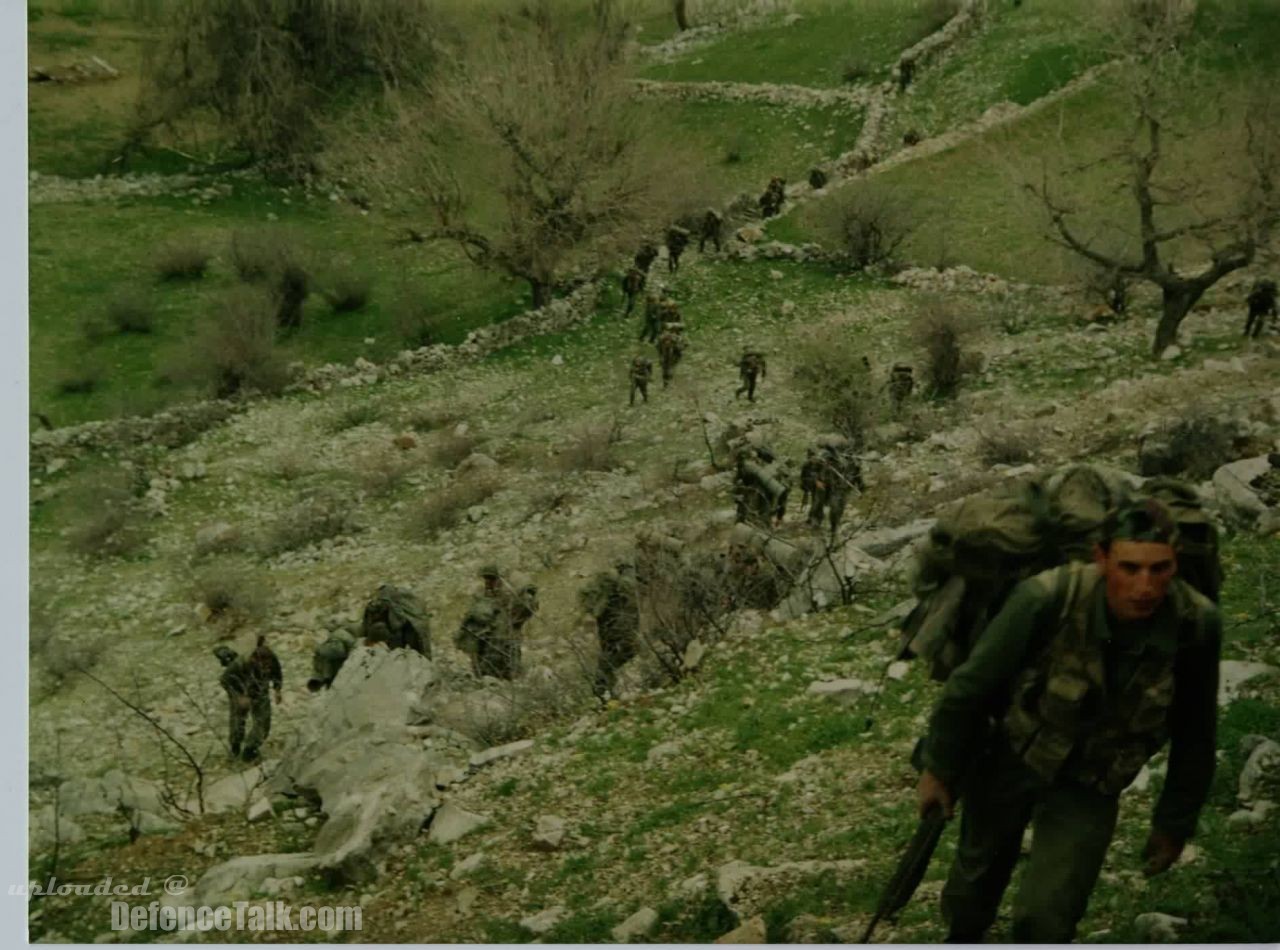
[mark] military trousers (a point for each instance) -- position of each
(259, 707)
(1072, 828)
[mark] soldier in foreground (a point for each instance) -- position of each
(633, 282)
(750, 368)
(610, 598)
(491, 631)
(641, 373)
(711, 230)
(670, 350)
(645, 257)
(1262, 303)
(760, 488)
(248, 682)
(677, 241)
(1087, 670)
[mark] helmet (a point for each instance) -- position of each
(226, 656)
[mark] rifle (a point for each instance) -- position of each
(910, 870)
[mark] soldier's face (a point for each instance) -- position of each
(1138, 574)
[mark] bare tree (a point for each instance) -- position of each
(1223, 212)
(561, 171)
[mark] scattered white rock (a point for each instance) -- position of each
(639, 924)
(259, 809)
(1159, 928)
(451, 822)
(1233, 674)
(469, 865)
(549, 833)
(495, 753)
(753, 931)
(845, 691)
(544, 921)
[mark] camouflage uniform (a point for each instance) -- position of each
(248, 682)
(1262, 303)
(817, 179)
(670, 350)
(491, 631)
(632, 285)
(328, 659)
(839, 471)
(645, 257)
(901, 384)
(906, 72)
(760, 495)
(610, 598)
(397, 617)
(641, 373)
(652, 325)
(677, 241)
(810, 475)
(750, 367)
(712, 226)
(1079, 702)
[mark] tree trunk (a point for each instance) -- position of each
(541, 291)
(1176, 302)
(682, 15)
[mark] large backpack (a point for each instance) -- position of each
(982, 546)
(397, 617)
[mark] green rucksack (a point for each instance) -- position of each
(397, 617)
(982, 546)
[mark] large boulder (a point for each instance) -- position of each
(1260, 777)
(1237, 499)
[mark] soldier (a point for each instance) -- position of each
(775, 194)
(677, 241)
(760, 494)
(652, 325)
(761, 568)
(645, 257)
(610, 598)
(641, 373)
(491, 631)
(633, 282)
(712, 226)
(901, 384)
(670, 350)
(810, 475)
(249, 682)
(397, 617)
(328, 659)
(906, 72)
(1085, 673)
(1262, 303)
(750, 367)
(838, 472)
(817, 179)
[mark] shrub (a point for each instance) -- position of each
(443, 509)
(316, 516)
(255, 255)
(234, 347)
(414, 321)
(1194, 446)
(290, 287)
(591, 449)
(182, 260)
(130, 312)
(832, 373)
(381, 471)
(911, 137)
(868, 224)
(105, 519)
(451, 448)
(855, 70)
(1005, 447)
(355, 415)
(58, 655)
(289, 463)
(430, 418)
(233, 593)
(80, 380)
(941, 331)
(348, 291)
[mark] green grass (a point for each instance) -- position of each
(813, 51)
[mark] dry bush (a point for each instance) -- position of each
(414, 319)
(260, 254)
(431, 418)
(829, 370)
(353, 416)
(317, 516)
(856, 69)
(348, 290)
(381, 471)
(867, 223)
(450, 448)
(1005, 447)
(1195, 446)
(444, 508)
(289, 463)
(592, 449)
(234, 593)
(105, 519)
(234, 347)
(227, 542)
(130, 312)
(942, 330)
(182, 260)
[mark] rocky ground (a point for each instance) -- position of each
(764, 794)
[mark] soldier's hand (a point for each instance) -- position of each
(1161, 851)
(932, 792)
